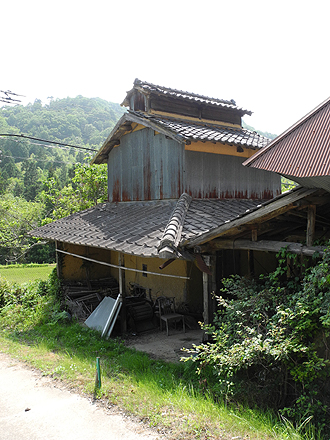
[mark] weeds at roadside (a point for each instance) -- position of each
(165, 396)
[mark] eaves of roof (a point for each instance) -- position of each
(124, 126)
(182, 131)
(149, 88)
(193, 132)
(145, 228)
(130, 227)
(255, 214)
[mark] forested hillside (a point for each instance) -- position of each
(77, 121)
(40, 181)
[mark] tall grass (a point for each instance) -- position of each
(167, 397)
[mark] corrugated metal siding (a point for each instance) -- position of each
(218, 176)
(304, 152)
(145, 167)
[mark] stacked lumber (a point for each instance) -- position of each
(82, 297)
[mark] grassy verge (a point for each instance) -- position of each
(23, 273)
(166, 396)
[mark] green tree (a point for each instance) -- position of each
(31, 180)
(87, 188)
(8, 165)
(17, 217)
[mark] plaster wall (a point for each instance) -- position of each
(74, 268)
(155, 285)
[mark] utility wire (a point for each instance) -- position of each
(44, 140)
(7, 98)
(41, 145)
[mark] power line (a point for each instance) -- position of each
(41, 145)
(7, 98)
(44, 140)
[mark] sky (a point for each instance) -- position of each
(271, 57)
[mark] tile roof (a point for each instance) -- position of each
(256, 212)
(214, 213)
(191, 131)
(172, 234)
(181, 131)
(129, 227)
(137, 228)
(147, 88)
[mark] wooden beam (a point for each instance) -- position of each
(206, 298)
(251, 262)
(264, 246)
(310, 233)
(263, 213)
(206, 295)
(121, 282)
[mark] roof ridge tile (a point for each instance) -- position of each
(172, 233)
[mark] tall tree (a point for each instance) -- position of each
(31, 181)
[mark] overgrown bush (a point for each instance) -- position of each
(25, 305)
(270, 341)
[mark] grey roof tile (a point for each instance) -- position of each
(128, 227)
(147, 88)
(204, 215)
(138, 228)
(192, 131)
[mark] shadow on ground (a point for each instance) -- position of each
(158, 345)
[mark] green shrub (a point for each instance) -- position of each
(270, 342)
(23, 306)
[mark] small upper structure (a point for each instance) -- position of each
(149, 98)
(172, 142)
(301, 153)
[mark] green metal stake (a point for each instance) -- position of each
(98, 371)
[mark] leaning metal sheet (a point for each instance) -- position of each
(98, 319)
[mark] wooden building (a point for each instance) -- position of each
(176, 187)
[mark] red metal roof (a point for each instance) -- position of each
(301, 151)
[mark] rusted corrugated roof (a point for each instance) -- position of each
(301, 151)
(147, 88)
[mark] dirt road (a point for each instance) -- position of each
(33, 408)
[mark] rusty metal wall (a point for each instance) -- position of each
(218, 176)
(146, 166)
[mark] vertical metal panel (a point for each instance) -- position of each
(172, 168)
(219, 176)
(114, 176)
(133, 143)
(145, 166)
